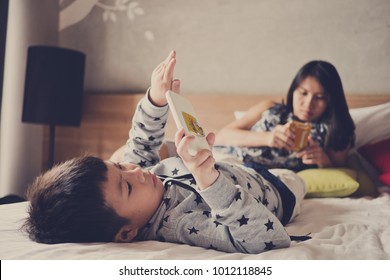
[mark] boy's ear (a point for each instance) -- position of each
(126, 234)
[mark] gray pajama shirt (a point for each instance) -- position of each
(240, 212)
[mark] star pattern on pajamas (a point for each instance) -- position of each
(166, 201)
(193, 230)
(243, 220)
(175, 172)
(269, 225)
(192, 181)
(217, 224)
(269, 245)
(147, 148)
(198, 199)
(207, 213)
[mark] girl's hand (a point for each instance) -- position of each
(282, 136)
(314, 154)
(162, 80)
(202, 165)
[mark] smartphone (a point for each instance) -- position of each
(185, 117)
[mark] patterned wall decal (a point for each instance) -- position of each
(75, 11)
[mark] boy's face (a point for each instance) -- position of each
(132, 192)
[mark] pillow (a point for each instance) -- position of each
(378, 154)
(371, 123)
(329, 182)
(385, 179)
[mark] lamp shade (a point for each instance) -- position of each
(53, 86)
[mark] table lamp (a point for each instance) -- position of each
(53, 89)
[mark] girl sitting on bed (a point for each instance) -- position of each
(263, 136)
(187, 199)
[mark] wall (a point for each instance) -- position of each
(21, 144)
(229, 46)
(3, 32)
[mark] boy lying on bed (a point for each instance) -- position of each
(186, 199)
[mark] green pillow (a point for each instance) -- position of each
(329, 182)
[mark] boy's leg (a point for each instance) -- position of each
(295, 184)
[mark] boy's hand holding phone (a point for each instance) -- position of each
(192, 144)
(202, 164)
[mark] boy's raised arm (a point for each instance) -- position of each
(147, 131)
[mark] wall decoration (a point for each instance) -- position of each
(77, 10)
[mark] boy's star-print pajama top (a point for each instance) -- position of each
(240, 212)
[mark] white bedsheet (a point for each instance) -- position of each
(341, 228)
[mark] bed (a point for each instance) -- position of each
(343, 225)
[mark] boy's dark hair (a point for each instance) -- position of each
(67, 204)
(341, 126)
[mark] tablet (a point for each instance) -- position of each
(185, 117)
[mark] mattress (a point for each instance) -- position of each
(341, 229)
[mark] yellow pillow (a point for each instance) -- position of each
(329, 182)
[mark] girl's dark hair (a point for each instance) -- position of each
(341, 128)
(67, 204)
